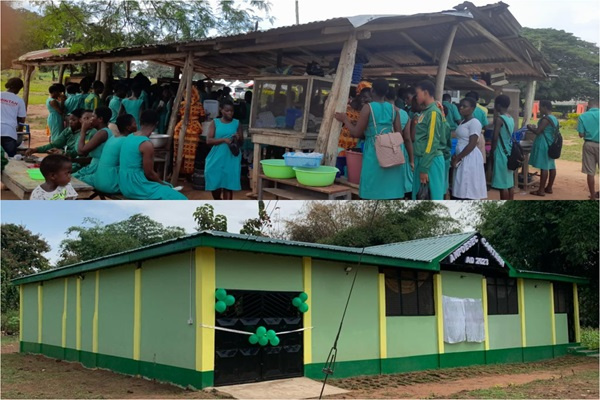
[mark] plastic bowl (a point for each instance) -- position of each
(159, 141)
(317, 177)
(35, 174)
(277, 169)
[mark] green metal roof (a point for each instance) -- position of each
(419, 254)
(425, 250)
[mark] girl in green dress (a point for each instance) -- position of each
(134, 105)
(223, 170)
(407, 150)
(377, 183)
(137, 178)
(503, 179)
(545, 131)
(93, 137)
(55, 116)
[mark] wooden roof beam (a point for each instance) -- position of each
(112, 58)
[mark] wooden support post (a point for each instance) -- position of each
(61, 73)
(186, 116)
(104, 72)
(443, 65)
(98, 68)
(529, 99)
(128, 69)
(327, 141)
(27, 84)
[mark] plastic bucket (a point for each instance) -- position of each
(354, 162)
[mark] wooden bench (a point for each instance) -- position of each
(291, 189)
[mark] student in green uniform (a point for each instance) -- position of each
(503, 179)
(93, 101)
(407, 149)
(453, 117)
(85, 87)
(115, 107)
(480, 111)
(137, 178)
(544, 131)
(55, 112)
(106, 177)
(92, 138)
(163, 106)
(134, 104)
(588, 127)
(378, 118)
(68, 139)
(72, 102)
(429, 159)
(446, 146)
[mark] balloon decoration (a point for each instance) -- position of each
(264, 337)
(300, 302)
(224, 300)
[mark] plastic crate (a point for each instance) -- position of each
(292, 160)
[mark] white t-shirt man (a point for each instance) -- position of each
(11, 108)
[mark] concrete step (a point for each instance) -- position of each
(575, 348)
(586, 352)
(594, 355)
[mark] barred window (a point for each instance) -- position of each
(562, 294)
(502, 296)
(408, 293)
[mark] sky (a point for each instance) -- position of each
(580, 17)
(51, 219)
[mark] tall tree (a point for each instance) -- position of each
(22, 253)
(17, 41)
(93, 239)
(206, 220)
(256, 226)
(574, 60)
(554, 236)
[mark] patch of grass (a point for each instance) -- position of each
(38, 90)
(590, 338)
(9, 339)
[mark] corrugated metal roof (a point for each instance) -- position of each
(425, 250)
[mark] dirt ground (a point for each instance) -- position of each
(570, 183)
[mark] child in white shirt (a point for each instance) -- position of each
(57, 171)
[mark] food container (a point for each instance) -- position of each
(303, 160)
(159, 141)
(277, 169)
(317, 177)
(35, 174)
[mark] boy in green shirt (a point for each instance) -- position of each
(588, 128)
(93, 101)
(66, 139)
(429, 136)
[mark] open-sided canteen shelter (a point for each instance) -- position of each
(423, 304)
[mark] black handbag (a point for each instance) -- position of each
(516, 156)
(555, 148)
(234, 147)
(423, 193)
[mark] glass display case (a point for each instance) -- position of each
(289, 105)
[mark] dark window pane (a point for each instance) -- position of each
(502, 300)
(513, 302)
(409, 301)
(423, 276)
(426, 306)
(404, 274)
(492, 300)
(392, 297)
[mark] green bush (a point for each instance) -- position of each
(574, 116)
(590, 338)
(569, 124)
(10, 322)
(558, 114)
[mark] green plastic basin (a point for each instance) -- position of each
(35, 174)
(277, 169)
(318, 177)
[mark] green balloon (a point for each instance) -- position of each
(303, 296)
(296, 301)
(253, 339)
(261, 331)
(220, 306)
(271, 334)
(229, 300)
(220, 294)
(263, 341)
(274, 341)
(303, 308)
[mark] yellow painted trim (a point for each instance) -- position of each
(484, 301)
(64, 317)
(431, 132)
(521, 292)
(307, 316)
(95, 320)
(20, 313)
(205, 307)
(78, 317)
(576, 314)
(439, 310)
(552, 315)
(40, 311)
(382, 318)
(137, 314)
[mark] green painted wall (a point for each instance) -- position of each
(504, 331)
(30, 313)
(166, 337)
(537, 313)
(72, 313)
(115, 311)
(330, 287)
(249, 271)
(411, 336)
(469, 286)
(87, 309)
(53, 304)
(562, 329)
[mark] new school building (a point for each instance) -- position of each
(423, 304)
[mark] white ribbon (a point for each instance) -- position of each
(218, 328)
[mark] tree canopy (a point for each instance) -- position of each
(22, 253)
(574, 60)
(206, 220)
(93, 239)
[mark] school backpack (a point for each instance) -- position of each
(516, 156)
(555, 147)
